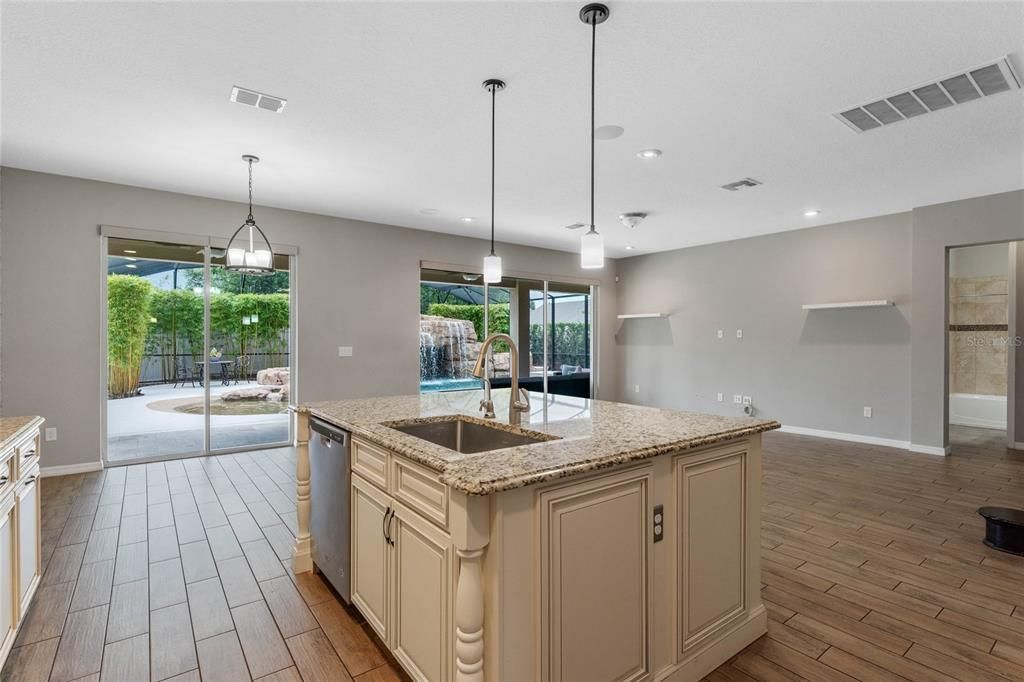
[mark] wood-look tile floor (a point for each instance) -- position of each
(873, 566)
(873, 570)
(180, 571)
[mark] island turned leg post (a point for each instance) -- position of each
(469, 617)
(302, 560)
(470, 535)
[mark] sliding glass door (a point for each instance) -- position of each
(551, 322)
(198, 358)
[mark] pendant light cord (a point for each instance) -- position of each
(250, 191)
(494, 97)
(593, 59)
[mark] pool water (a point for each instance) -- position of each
(450, 385)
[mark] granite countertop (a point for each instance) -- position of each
(587, 435)
(13, 427)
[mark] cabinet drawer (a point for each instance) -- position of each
(420, 489)
(8, 471)
(371, 462)
(26, 454)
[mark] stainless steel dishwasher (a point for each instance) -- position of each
(330, 490)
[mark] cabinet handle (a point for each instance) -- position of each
(3, 479)
(387, 513)
(28, 453)
(391, 540)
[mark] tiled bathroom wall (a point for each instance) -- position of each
(978, 309)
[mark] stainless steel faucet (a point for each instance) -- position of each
(518, 401)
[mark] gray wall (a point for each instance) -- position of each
(992, 218)
(987, 260)
(357, 285)
(814, 369)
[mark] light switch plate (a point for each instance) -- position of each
(720, 397)
(636, 388)
(721, 334)
(739, 333)
(344, 351)
(867, 411)
(51, 433)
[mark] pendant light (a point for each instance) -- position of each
(591, 243)
(251, 254)
(492, 262)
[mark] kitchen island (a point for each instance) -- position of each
(601, 541)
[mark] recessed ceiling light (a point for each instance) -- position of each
(467, 219)
(131, 266)
(649, 153)
(430, 211)
(609, 132)
(630, 248)
(811, 213)
(130, 251)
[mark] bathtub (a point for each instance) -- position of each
(985, 411)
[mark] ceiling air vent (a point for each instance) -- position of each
(981, 81)
(258, 99)
(740, 184)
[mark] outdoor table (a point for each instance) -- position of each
(225, 378)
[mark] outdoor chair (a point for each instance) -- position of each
(181, 375)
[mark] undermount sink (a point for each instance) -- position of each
(468, 437)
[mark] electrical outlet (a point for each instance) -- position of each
(51, 434)
(867, 411)
(747, 400)
(721, 334)
(738, 399)
(636, 388)
(344, 351)
(720, 397)
(739, 333)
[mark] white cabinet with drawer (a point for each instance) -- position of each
(20, 556)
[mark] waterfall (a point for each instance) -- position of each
(429, 360)
(456, 339)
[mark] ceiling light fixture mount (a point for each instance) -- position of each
(492, 262)
(632, 219)
(592, 243)
(649, 153)
(254, 255)
(811, 213)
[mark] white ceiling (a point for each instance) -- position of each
(386, 115)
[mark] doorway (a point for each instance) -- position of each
(984, 294)
(198, 358)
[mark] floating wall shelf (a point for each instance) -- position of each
(848, 304)
(634, 316)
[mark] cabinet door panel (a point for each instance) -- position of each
(28, 538)
(370, 554)
(711, 504)
(596, 547)
(9, 602)
(422, 575)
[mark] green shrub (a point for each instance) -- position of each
(128, 324)
(568, 343)
(178, 328)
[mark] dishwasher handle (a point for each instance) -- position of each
(330, 433)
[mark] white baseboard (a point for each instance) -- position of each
(978, 423)
(1017, 446)
(851, 437)
(936, 450)
(67, 469)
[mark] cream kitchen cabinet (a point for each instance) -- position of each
(20, 556)
(402, 566)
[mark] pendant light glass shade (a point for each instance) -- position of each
(249, 252)
(492, 269)
(591, 250)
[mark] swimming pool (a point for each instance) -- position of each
(449, 385)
